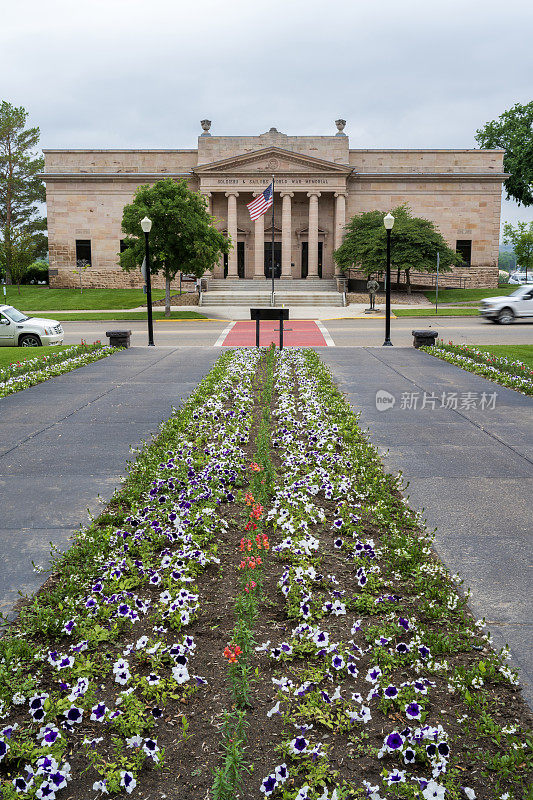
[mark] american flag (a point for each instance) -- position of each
(260, 204)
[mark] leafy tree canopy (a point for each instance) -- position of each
(415, 242)
(521, 237)
(513, 132)
(183, 236)
(21, 190)
(506, 260)
(22, 252)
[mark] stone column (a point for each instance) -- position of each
(209, 273)
(340, 222)
(259, 246)
(286, 235)
(209, 206)
(312, 246)
(232, 233)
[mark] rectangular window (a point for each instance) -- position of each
(122, 245)
(464, 248)
(83, 250)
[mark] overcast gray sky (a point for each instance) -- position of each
(126, 73)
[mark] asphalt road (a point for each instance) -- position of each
(344, 332)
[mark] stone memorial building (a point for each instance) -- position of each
(320, 183)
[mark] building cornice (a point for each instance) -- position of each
(111, 176)
(429, 176)
(136, 177)
(114, 150)
(423, 150)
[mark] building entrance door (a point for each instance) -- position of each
(240, 261)
(305, 259)
(268, 259)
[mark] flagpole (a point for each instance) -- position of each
(272, 254)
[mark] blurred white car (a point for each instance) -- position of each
(519, 278)
(18, 330)
(506, 309)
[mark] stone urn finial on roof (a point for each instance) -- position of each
(206, 124)
(341, 124)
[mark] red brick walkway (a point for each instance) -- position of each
(297, 333)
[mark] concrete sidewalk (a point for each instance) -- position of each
(65, 444)
(470, 470)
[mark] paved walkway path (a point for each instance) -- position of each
(296, 333)
(471, 470)
(65, 443)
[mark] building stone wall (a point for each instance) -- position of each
(459, 190)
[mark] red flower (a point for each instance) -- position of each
(232, 653)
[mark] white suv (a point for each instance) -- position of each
(18, 330)
(507, 309)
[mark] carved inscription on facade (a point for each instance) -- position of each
(279, 181)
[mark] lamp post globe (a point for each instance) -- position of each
(146, 225)
(388, 222)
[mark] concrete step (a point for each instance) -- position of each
(263, 298)
(308, 285)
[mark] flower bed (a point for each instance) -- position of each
(513, 374)
(258, 614)
(21, 374)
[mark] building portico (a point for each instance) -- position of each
(303, 187)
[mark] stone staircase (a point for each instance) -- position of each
(234, 292)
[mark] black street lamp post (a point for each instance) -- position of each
(146, 225)
(388, 221)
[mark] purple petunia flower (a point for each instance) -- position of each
(58, 780)
(98, 712)
(396, 776)
(373, 674)
(268, 785)
(337, 662)
(299, 745)
(413, 711)
(443, 749)
(128, 781)
(74, 715)
(394, 741)
(45, 791)
(21, 784)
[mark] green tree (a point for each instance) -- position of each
(506, 260)
(21, 191)
(521, 238)
(22, 250)
(415, 242)
(183, 236)
(513, 132)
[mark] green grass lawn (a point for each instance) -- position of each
(8, 355)
(516, 352)
(430, 312)
(127, 315)
(42, 298)
(464, 295)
